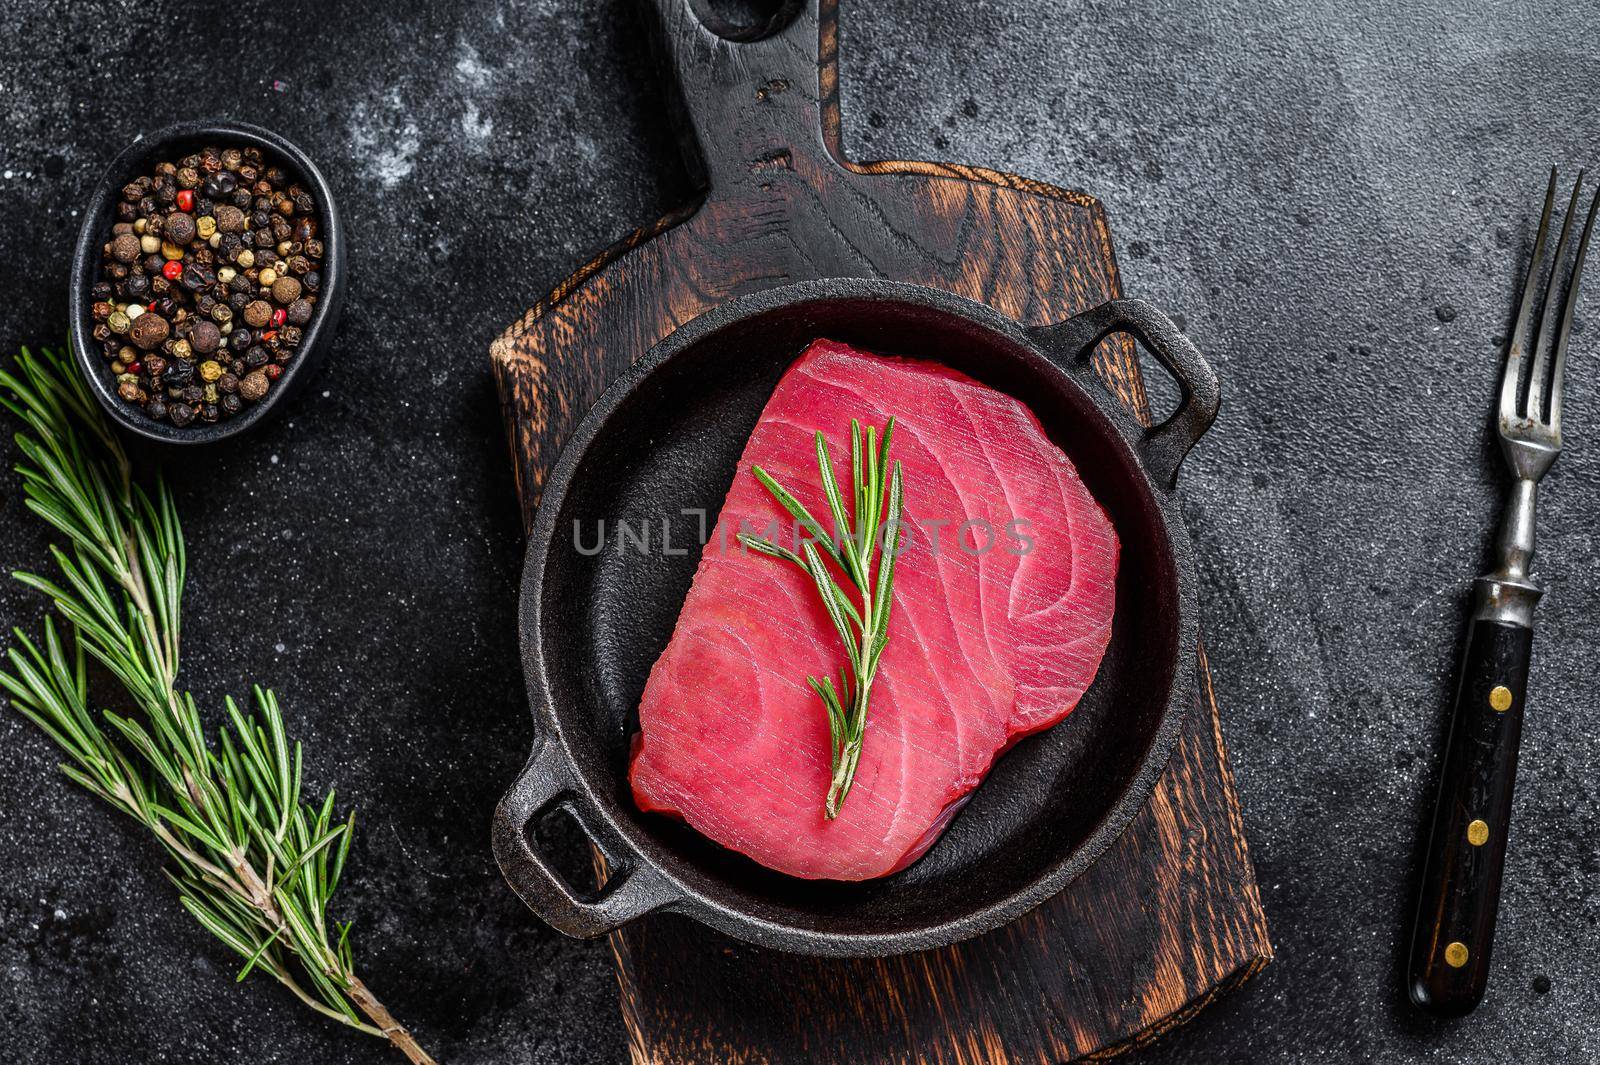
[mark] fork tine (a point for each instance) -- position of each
(1565, 334)
(1552, 300)
(1530, 287)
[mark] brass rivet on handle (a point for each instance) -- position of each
(1478, 833)
(1455, 955)
(1500, 698)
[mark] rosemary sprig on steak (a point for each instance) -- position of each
(253, 863)
(863, 547)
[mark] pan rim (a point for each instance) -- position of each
(692, 898)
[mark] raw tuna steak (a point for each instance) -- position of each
(993, 635)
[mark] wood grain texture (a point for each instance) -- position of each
(1170, 917)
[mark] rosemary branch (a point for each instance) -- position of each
(863, 631)
(252, 863)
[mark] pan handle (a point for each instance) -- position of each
(630, 892)
(1162, 447)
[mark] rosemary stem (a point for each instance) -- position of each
(843, 776)
(299, 992)
(255, 865)
(390, 1028)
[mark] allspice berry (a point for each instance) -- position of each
(125, 247)
(299, 312)
(148, 330)
(257, 313)
(253, 386)
(180, 227)
(229, 219)
(205, 337)
(286, 289)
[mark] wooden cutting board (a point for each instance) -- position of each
(1170, 917)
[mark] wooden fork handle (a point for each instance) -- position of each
(1460, 891)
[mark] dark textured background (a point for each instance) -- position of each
(1335, 197)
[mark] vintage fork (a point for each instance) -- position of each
(1460, 889)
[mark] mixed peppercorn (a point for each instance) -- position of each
(209, 277)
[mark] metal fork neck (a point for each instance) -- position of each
(1507, 593)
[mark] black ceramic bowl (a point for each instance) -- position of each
(171, 143)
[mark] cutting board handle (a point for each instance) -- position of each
(750, 101)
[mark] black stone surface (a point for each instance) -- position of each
(1335, 197)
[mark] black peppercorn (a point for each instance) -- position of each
(192, 394)
(230, 403)
(208, 413)
(220, 184)
(256, 357)
(240, 339)
(156, 408)
(179, 375)
(228, 382)
(138, 286)
(180, 414)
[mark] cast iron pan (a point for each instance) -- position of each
(666, 438)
